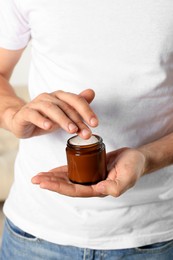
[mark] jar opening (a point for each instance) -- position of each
(77, 141)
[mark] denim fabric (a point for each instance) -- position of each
(19, 245)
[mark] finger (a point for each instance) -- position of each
(29, 115)
(54, 174)
(69, 189)
(57, 180)
(44, 178)
(50, 177)
(88, 94)
(116, 183)
(110, 187)
(56, 115)
(63, 115)
(63, 169)
(80, 105)
(83, 130)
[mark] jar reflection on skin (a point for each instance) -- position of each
(86, 160)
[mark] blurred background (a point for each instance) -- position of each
(8, 142)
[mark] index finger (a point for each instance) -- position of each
(80, 105)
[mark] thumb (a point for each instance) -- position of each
(88, 94)
(112, 185)
(109, 187)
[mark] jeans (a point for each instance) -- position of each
(19, 245)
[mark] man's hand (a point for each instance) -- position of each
(48, 112)
(125, 167)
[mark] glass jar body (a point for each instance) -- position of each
(86, 163)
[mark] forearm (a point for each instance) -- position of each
(158, 154)
(9, 104)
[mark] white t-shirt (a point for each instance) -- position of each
(124, 51)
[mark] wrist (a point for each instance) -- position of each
(9, 111)
(146, 155)
(158, 154)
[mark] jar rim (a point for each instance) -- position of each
(78, 146)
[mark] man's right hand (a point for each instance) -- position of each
(48, 112)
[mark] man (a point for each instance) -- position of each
(119, 52)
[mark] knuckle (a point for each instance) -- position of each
(71, 113)
(57, 93)
(68, 108)
(116, 189)
(26, 111)
(47, 104)
(116, 193)
(80, 99)
(43, 95)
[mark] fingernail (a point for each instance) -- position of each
(94, 121)
(72, 127)
(86, 133)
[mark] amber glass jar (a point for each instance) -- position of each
(86, 162)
